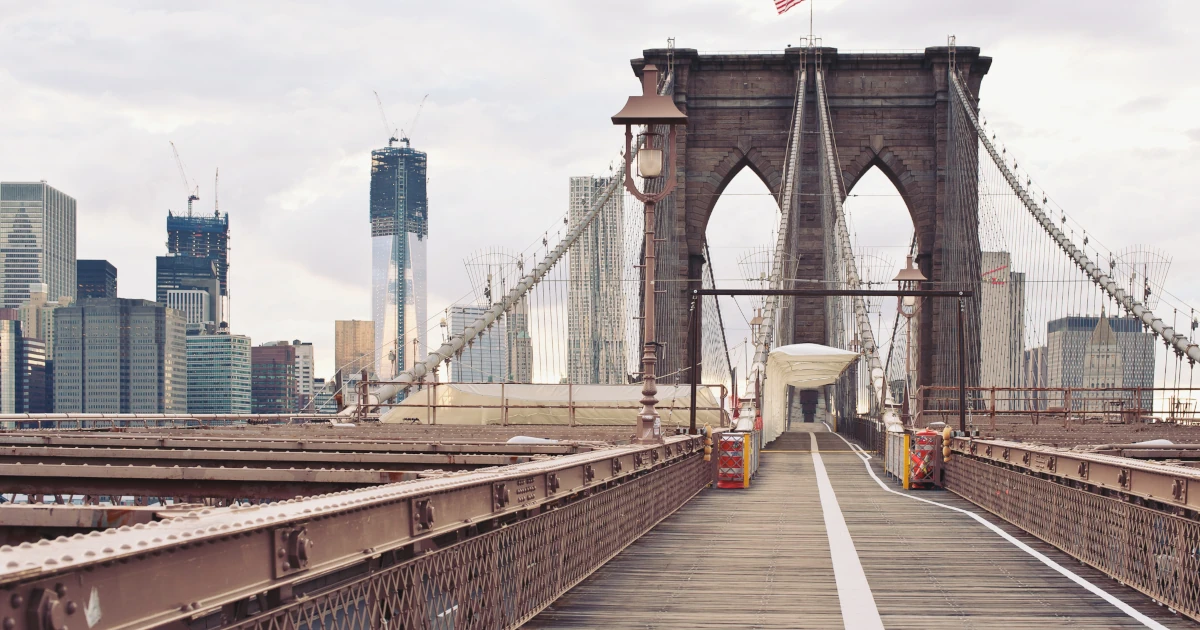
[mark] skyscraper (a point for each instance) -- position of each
(273, 378)
(218, 369)
(95, 279)
(1002, 323)
(10, 366)
(486, 359)
(353, 346)
(34, 384)
(399, 232)
(114, 355)
(305, 382)
(184, 276)
(520, 344)
(596, 295)
(1080, 350)
(37, 241)
(205, 238)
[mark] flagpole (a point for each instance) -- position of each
(810, 21)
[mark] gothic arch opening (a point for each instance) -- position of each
(741, 236)
(881, 229)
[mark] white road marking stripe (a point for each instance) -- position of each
(854, 593)
(1069, 574)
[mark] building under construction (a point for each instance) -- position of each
(399, 231)
(207, 238)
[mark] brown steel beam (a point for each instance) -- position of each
(165, 441)
(55, 455)
(205, 566)
(1136, 478)
(191, 483)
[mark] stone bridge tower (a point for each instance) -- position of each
(887, 109)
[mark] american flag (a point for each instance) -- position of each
(783, 5)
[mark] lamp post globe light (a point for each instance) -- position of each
(652, 112)
(909, 279)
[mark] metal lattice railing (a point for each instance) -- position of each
(1150, 550)
(503, 578)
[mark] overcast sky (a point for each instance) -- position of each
(1097, 98)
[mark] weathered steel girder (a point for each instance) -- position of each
(209, 458)
(315, 443)
(192, 483)
(484, 549)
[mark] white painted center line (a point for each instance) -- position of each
(854, 594)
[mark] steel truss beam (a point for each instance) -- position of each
(400, 553)
(1148, 481)
(206, 458)
(169, 441)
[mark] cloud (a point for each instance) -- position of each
(279, 97)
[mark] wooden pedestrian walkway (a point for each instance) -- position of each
(765, 557)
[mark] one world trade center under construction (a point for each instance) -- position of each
(399, 231)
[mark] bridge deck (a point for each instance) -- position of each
(762, 558)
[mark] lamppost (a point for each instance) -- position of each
(651, 110)
(909, 279)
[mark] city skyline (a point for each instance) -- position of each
(294, 195)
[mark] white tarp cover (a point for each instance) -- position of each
(479, 404)
(803, 366)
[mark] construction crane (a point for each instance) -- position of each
(404, 137)
(387, 126)
(192, 191)
(216, 203)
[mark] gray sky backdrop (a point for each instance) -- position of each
(1097, 98)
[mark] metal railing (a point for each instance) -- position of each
(486, 549)
(1135, 521)
(869, 433)
(1033, 405)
